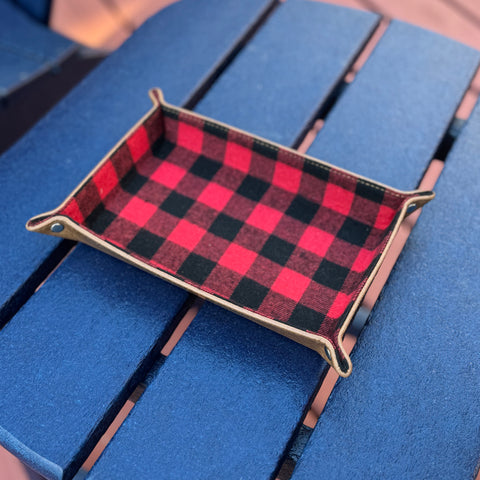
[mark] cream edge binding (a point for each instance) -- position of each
(72, 231)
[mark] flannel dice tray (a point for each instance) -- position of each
(283, 239)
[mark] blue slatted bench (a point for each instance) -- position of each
(228, 401)
(37, 9)
(37, 66)
(26, 47)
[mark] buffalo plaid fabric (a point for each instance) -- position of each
(257, 225)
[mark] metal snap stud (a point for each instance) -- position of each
(411, 208)
(56, 228)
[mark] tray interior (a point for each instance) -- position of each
(286, 237)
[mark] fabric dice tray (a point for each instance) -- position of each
(283, 239)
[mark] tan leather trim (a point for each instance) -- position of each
(313, 341)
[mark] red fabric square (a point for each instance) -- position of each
(168, 174)
(138, 143)
(316, 241)
(105, 179)
(363, 260)
(339, 305)
(291, 284)
(384, 217)
(287, 177)
(237, 258)
(238, 157)
(73, 211)
(338, 199)
(215, 196)
(138, 211)
(186, 234)
(190, 137)
(264, 217)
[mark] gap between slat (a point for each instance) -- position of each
(231, 55)
(36, 279)
(167, 348)
(340, 86)
(309, 136)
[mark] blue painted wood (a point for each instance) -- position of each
(277, 83)
(39, 9)
(26, 47)
(410, 408)
(68, 350)
(45, 166)
(221, 406)
(78, 347)
(389, 122)
(229, 398)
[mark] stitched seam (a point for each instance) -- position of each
(297, 157)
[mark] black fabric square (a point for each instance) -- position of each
(225, 227)
(249, 293)
(277, 250)
(196, 268)
(370, 192)
(316, 170)
(177, 204)
(253, 188)
(170, 113)
(100, 219)
(205, 168)
(162, 148)
(264, 149)
(145, 243)
(302, 209)
(305, 318)
(132, 182)
(354, 232)
(215, 130)
(331, 275)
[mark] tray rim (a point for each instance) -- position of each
(417, 198)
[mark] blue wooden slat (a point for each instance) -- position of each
(228, 399)
(390, 121)
(76, 347)
(411, 408)
(62, 332)
(46, 165)
(39, 9)
(33, 46)
(217, 408)
(273, 89)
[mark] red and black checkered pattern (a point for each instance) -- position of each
(249, 222)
